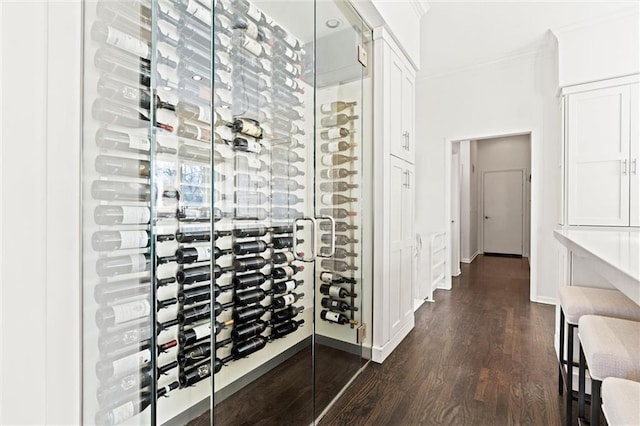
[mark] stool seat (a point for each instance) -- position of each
(611, 347)
(578, 301)
(621, 402)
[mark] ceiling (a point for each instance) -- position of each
(457, 35)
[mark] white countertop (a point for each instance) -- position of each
(616, 253)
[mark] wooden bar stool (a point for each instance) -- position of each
(621, 401)
(575, 302)
(610, 347)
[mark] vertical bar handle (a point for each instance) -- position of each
(332, 251)
(634, 166)
(624, 167)
(314, 239)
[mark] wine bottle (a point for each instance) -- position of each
(122, 115)
(247, 347)
(196, 10)
(114, 389)
(198, 254)
(335, 291)
(332, 277)
(246, 331)
(335, 133)
(339, 227)
(125, 191)
(119, 166)
(131, 334)
(118, 414)
(337, 106)
(286, 126)
(122, 141)
(245, 180)
(129, 67)
(286, 271)
(283, 49)
(200, 312)
(340, 253)
(249, 263)
(261, 231)
(250, 213)
(336, 159)
(336, 199)
(250, 297)
(248, 9)
(249, 28)
(285, 328)
(286, 286)
(252, 46)
(122, 364)
(336, 317)
(115, 291)
(282, 184)
(282, 198)
(194, 295)
(337, 305)
(199, 236)
(199, 273)
(287, 155)
(116, 90)
(282, 257)
(286, 81)
(259, 246)
(340, 240)
(201, 332)
(194, 132)
(286, 314)
(286, 300)
(338, 146)
(337, 173)
(337, 213)
(337, 265)
(246, 78)
(194, 354)
(280, 213)
(247, 197)
(250, 313)
(286, 141)
(337, 120)
(286, 98)
(293, 71)
(337, 187)
(119, 240)
(249, 62)
(119, 265)
(108, 316)
(283, 35)
(283, 169)
(194, 112)
(200, 372)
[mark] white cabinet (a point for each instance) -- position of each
(394, 260)
(401, 106)
(602, 178)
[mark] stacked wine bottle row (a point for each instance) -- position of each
(163, 269)
(337, 195)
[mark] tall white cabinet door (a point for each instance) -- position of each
(598, 142)
(408, 115)
(634, 170)
(396, 112)
(408, 240)
(395, 303)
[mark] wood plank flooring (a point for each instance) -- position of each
(482, 354)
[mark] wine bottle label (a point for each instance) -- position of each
(204, 92)
(131, 336)
(132, 310)
(326, 276)
(327, 160)
(131, 362)
(334, 304)
(334, 291)
(333, 146)
(123, 412)
(290, 285)
(130, 93)
(290, 40)
(202, 331)
(140, 143)
(199, 12)
(326, 109)
(290, 54)
(254, 13)
(288, 299)
(204, 114)
(289, 256)
(252, 46)
(135, 215)
(332, 316)
(251, 30)
(138, 263)
(254, 147)
(334, 133)
(288, 270)
(291, 69)
(254, 163)
(203, 134)
(126, 42)
(327, 199)
(133, 239)
(132, 381)
(204, 253)
(203, 371)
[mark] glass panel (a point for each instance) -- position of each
(264, 89)
(340, 152)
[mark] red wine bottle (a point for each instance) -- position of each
(246, 331)
(119, 265)
(109, 316)
(335, 291)
(250, 313)
(286, 271)
(338, 213)
(259, 246)
(337, 265)
(286, 314)
(340, 253)
(339, 173)
(116, 90)
(120, 240)
(127, 142)
(334, 278)
(198, 254)
(250, 297)
(282, 184)
(130, 335)
(247, 347)
(115, 388)
(194, 354)
(340, 240)
(286, 300)
(261, 231)
(124, 411)
(201, 332)
(200, 312)
(337, 305)
(125, 191)
(340, 226)
(199, 236)
(286, 286)
(122, 115)
(288, 327)
(194, 295)
(200, 273)
(336, 318)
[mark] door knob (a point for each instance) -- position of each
(487, 217)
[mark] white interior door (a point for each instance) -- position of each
(503, 195)
(455, 212)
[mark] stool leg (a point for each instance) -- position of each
(595, 402)
(581, 384)
(569, 395)
(561, 353)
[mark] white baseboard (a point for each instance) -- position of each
(380, 353)
(443, 286)
(464, 260)
(546, 300)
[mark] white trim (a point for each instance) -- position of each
(465, 260)
(545, 300)
(380, 353)
(421, 7)
(559, 31)
(600, 84)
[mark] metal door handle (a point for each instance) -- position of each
(314, 239)
(408, 140)
(487, 217)
(405, 145)
(624, 167)
(332, 251)
(634, 166)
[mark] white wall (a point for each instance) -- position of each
(40, 333)
(514, 95)
(506, 153)
(605, 48)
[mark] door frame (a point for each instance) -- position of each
(536, 166)
(524, 201)
(454, 225)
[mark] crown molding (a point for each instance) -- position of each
(622, 13)
(421, 7)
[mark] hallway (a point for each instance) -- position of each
(482, 354)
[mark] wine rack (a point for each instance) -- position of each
(338, 197)
(196, 166)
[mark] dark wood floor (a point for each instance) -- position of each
(482, 354)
